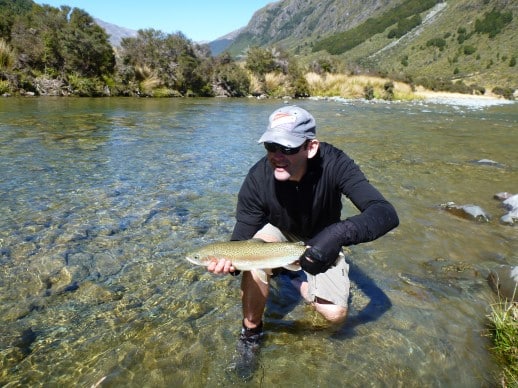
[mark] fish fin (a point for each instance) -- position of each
(262, 274)
(292, 267)
(256, 240)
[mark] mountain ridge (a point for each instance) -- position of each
(467, 55)
(116, 33)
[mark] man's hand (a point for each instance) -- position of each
(315, 260)
(221, 266)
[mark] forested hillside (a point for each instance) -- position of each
(61, 51)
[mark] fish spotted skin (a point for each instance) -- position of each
(250, 255)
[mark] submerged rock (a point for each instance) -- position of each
(502, 196)
(469, 211)
(510, 203)
(488, 162)
(504, 281)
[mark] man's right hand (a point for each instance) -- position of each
(221, 266)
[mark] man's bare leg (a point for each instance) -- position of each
(331, 312)
(254, 294)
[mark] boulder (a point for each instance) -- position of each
(504, 281)
(473, 212)
(510, 203)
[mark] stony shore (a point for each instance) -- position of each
(462, 99)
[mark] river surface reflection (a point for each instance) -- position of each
(100, 198)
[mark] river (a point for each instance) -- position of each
(101, 198)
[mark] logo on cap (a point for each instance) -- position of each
(281, 118)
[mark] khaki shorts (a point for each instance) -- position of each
(332, 285)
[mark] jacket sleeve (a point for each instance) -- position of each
(250, 214)
(377, 216)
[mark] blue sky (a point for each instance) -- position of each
(199, 20)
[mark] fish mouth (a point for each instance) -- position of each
(191, 260)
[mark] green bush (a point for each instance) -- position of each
(86, 87)
(232, 78)
(440, 43)
(438, 84)
(507, 93)
(493, 22)
(503, 330)
(388, 87)
(344, 41)
(7, 56)
(368, 92)
(512, 62)
(477, 89)
(404, 26)
(468, 50)
(4, 87)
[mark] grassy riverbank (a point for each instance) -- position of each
(503, 330)
(277, 85)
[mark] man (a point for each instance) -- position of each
(294, 194)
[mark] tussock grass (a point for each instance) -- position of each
(503, 330)
(7, 56)
(345, 86)
(276, 84)
(148, 78)
(256, 87)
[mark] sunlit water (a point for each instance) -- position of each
(100, 198)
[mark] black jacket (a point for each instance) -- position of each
(307, 207)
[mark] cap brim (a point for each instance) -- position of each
(281, 138)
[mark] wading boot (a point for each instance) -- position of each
(248, 351)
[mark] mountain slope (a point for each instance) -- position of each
(290, 21)
(445, 45)
(115, 32)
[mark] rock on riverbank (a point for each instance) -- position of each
(504, 281)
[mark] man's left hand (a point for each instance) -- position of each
(315, 260)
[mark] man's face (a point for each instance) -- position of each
(290, 167)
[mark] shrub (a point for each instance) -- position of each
(493, 22)
(507, 93)
(468, 50)
(477, 89)
(4, 87)
(233, 79)
(368, 92)
(7, 56)
(388, 87)
(440, 43)
(404, 26)
(165, 92)
(503, 330)
(86, 87)
(512, 62)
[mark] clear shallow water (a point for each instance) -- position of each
(100, 198)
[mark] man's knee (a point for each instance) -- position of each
(331, 312)
(266, 237)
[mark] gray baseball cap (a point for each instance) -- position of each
(289, 126)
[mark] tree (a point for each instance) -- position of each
(86, 49)
(172, 58)
(260, 61)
